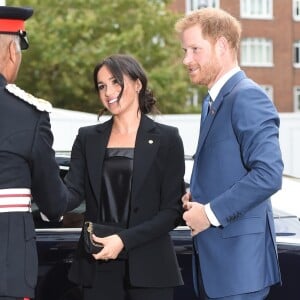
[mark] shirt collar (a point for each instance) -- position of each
(215, 89)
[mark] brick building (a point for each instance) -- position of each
(270, 45)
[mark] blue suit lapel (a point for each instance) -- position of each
(226, 89)
(215, 107)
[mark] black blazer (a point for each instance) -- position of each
(157, 187)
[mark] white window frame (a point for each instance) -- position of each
(256, 52)
(296, 54)
(269, 90)
(296, 10)
(191, 5)
(256, 9)
(297, 99)
(193, 100)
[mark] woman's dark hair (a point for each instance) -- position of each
(120, 65)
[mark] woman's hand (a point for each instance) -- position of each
(112, 246)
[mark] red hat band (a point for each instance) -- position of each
(11, 25)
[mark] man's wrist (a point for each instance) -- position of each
(211, 216)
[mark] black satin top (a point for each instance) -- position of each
(116, 185)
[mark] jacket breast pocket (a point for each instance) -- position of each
(250, 225)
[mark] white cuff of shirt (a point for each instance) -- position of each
(211, 216)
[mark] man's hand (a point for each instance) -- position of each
(194, 215)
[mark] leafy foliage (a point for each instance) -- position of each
(67, 38)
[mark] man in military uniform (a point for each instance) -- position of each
(28, 169)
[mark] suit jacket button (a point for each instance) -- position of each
(136, 209)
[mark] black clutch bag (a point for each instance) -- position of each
(100, 230)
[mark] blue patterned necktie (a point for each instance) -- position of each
(205, 107)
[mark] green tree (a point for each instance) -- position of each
(67, 38)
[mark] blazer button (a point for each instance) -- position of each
(136, 209)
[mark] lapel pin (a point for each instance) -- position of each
(150, 142)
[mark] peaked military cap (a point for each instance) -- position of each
(12, 21)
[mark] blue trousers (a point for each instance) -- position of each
(260, 295)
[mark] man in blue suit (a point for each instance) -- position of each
(237, 167)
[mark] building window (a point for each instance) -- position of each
(256, 9)
(296, 10)
(191, 5)
(297, 99)
(269, 90)
(297, 54)
(256, 52)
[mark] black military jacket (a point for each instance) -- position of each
(27, 160)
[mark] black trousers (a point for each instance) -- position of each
(113, 284)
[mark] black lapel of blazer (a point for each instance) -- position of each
(146, 147)
(96, 144)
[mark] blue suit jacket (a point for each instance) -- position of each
(237, 167)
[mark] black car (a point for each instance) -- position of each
(57, 242)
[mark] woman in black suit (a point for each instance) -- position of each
(130, 172)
